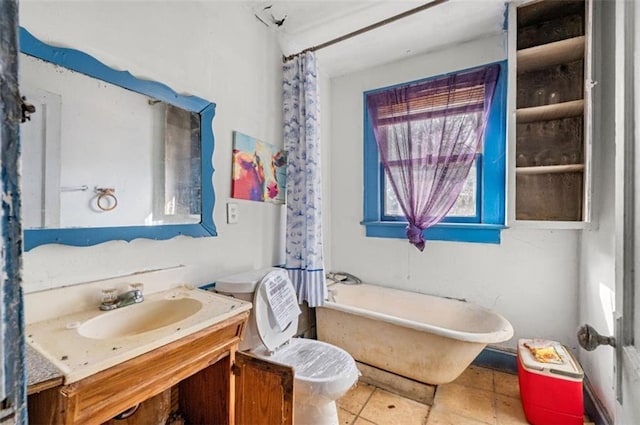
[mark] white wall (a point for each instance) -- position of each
(214, 50)
(597, 248)
(531, 277)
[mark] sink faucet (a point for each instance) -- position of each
(111, 302)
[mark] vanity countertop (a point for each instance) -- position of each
(60, 340)
(41, 373)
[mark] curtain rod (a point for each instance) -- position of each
(367, 28)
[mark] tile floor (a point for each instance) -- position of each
(478, 396)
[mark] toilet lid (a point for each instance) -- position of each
(270, 333)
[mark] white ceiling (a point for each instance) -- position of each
(308, 23)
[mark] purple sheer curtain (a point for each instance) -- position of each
(427, 135)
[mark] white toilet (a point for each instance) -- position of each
(323, 372)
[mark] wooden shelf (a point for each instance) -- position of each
(550, 54)
(550, 169)
(547, 10)
(556, 111)
(552, 150)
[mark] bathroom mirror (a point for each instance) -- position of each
(107, 156)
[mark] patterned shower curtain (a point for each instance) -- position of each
(304, 257)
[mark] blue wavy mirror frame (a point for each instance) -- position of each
(83, 63)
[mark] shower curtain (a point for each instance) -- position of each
(304, 256)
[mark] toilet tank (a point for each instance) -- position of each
(242, 286)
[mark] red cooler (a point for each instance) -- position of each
(551, 392)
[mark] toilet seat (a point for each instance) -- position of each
(323, 372)
(268, 330)
(315, 361)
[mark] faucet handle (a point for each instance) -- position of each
(108, 299)
(136, 290)
(109, 295)
(137, 286)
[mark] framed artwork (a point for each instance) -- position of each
(258, 170)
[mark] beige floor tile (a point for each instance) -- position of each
(442, 417)
(469, 402)
(361, 421)
(344, 417)
(385, 408)
(507, 384)
(355, 399)
(509, 411)
(476, 377)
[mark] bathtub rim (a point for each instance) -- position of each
(503, 334)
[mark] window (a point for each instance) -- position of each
(479, 212)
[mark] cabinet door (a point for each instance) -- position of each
(264, 391)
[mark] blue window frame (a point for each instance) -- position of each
(490, 165)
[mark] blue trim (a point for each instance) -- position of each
(505, 21)
(302, 270)
(81, 62)
(593, 407)
(454, 232)
(491, 185)
(208, 193)
(495, 158)
(13, 359)
(492, 358)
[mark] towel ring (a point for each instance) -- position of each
(106, 200)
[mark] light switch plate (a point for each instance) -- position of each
(232, 213)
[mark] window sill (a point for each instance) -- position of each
(454, 232)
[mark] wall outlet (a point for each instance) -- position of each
(232, 213)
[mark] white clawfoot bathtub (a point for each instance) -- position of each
(422, 337)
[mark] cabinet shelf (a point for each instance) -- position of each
(552, 47)
(556, 111)
(547, 10)
(550, 54)
(550, 169)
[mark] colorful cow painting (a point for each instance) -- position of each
(258, 170)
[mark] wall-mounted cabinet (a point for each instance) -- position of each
(550, 137)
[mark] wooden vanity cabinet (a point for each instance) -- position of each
(212, 381)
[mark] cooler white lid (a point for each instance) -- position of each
(568, 369)
(242, 283)
(268, 330)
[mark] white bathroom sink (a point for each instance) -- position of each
(84, 343)
(139, 318)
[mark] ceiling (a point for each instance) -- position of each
(309, 23)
